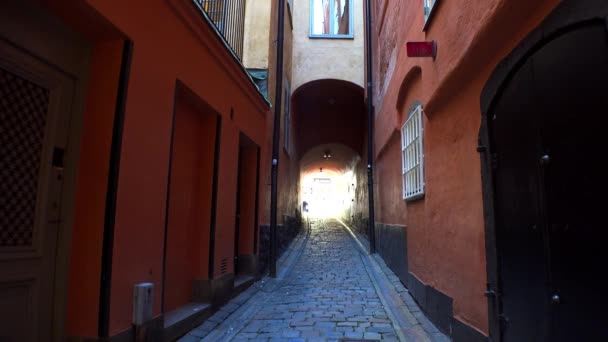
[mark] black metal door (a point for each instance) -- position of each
(516, 128)
(570, 77)
(547, 132)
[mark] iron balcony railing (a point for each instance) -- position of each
(228, 16)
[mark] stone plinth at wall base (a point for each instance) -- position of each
(150, 331)
(285, 234)
(246, 264)
(360, 224)
(215, 291)
(391, 244)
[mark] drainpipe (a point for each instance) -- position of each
(107, 249)
(370, 127)
(275, 142)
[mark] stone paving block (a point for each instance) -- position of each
(246, 335)
(345, 329)
(291, 333)
(347, 324)
(332, 334)
(372, 336)
(380, 329)
(353, 334)
(329, 325)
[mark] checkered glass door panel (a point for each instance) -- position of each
(23, 112)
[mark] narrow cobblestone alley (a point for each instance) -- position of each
(327, 295)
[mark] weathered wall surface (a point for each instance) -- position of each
(288, 178)
(257, 31)
(318, 58)
(445, 231)
(162, 56)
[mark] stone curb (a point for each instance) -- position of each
(406, 325)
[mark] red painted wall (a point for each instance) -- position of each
(87, 231)
(190, 201)
(446, 241)
(247, 180)
(171, 42)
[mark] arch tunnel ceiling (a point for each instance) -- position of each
(343, 158)
(329, 115)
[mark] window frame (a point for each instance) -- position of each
(417, 143)
(351, 28)
(428, 11)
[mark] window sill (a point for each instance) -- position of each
(330, 36)
(414, 198)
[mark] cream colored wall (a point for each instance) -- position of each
(318, 58)
(257, 30)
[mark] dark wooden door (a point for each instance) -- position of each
(548, 144)
(35, 102)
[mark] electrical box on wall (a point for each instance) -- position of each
(143, 295)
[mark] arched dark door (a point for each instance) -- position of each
(548, 133)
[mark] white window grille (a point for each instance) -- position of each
(412, 156)
(428, 7)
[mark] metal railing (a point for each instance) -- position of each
(228, 16)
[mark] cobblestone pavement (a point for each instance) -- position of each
(328, 295)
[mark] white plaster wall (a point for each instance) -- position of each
(257, 33)
(319, 58)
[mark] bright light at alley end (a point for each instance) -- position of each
(422, 49)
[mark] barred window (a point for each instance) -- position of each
(412, 156)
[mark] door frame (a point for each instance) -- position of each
(569, 15)
(73, 61)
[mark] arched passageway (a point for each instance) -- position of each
(330, 133)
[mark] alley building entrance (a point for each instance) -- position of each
(39, 112)
(246, 209)
(546, 129)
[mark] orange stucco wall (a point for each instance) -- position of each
(87, 231)
(247, 181)
(171, 42)
(446, 242)
(190, 201)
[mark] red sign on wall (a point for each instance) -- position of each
(421, 49)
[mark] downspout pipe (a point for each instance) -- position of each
(107, 251)
(370, 127)
(275, 141)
